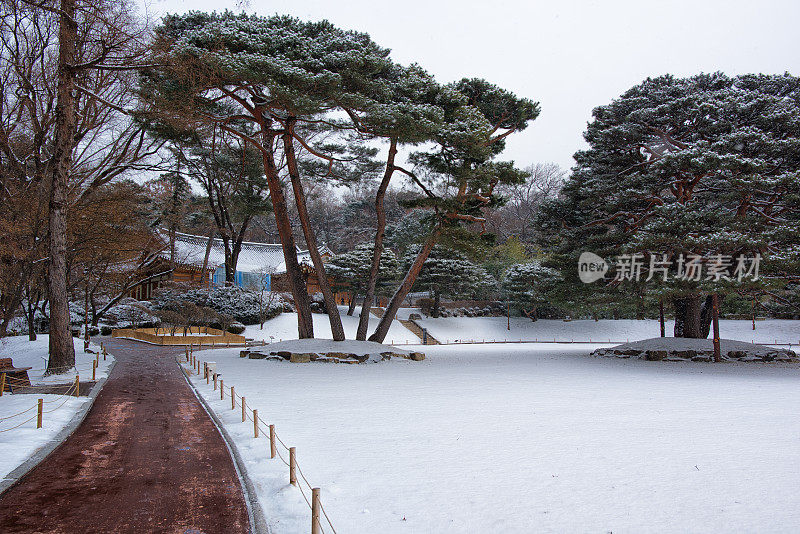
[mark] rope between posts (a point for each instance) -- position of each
(66, 400)
(17, 414)
(265, 430)
(69, 392)
(19, 425)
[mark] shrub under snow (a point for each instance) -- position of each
(241, 304)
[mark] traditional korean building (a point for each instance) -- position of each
(259, 266)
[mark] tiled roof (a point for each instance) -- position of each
(190, 250)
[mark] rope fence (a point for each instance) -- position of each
(262, 429)
(63, 398)
(72, 391)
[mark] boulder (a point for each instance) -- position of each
(256, 355)
(655, 355)
(300, 357)
(337, 355)
(244, 353)
(417, 356)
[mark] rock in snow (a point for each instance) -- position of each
(685, 349)
(327, 350)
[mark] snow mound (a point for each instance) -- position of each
(683, 349)
(327, 350)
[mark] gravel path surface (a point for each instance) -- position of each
(147, 458)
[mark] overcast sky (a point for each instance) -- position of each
(568, 55)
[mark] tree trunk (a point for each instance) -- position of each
(302, 303)
(31, 326)
(352, 307)
(706, 316)
(688, 317)
(311, 240)
(86, 338)
(715, 321)
(437, 301)
(408, 282)
(380, 232)
(661, 317)
(62, 350)
(209, 243)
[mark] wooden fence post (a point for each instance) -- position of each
(292, 467)
(221, 389)
(77, 385)
(39, 414)
(215, 381)
(94, 370)
(105, 353)
(244, 413)
(233, 398)
(272, 441)
(255, 423)
(2, 383)
(315, 506)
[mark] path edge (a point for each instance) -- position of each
(47, 448)
(258, 520)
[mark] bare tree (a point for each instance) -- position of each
(516, 217)
(65, 128)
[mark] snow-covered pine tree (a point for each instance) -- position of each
(458, 176)
(449, 273)
(351, 271)
(705, 165)
(528, 286)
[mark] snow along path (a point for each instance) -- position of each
(523, 438)
(284, 326)
(449, 329)
(34, 354)
(20, 443)
(147, 458)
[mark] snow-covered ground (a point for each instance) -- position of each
(284, 326)
(18, 444)
(448, 329)
(523, 438)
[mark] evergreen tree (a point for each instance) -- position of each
(350, 271)
(529, 285)
(703, 166)
(449, 273)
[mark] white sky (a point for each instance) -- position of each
(569, 55)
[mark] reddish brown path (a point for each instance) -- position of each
(147, 458)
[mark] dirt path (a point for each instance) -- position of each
(147, 458)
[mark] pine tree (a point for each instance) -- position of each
(351, 271)
(529, 285)
(449, 273)
(705, 166)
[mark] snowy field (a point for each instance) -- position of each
(524, 438)
(284, 326)
(449, 329)
(18, 444)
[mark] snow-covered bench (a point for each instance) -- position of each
(13, 377)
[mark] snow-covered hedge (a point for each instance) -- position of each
(241, 304)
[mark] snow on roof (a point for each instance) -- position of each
(253, 258)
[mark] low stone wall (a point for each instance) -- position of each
(774, 355)
(329, 357)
